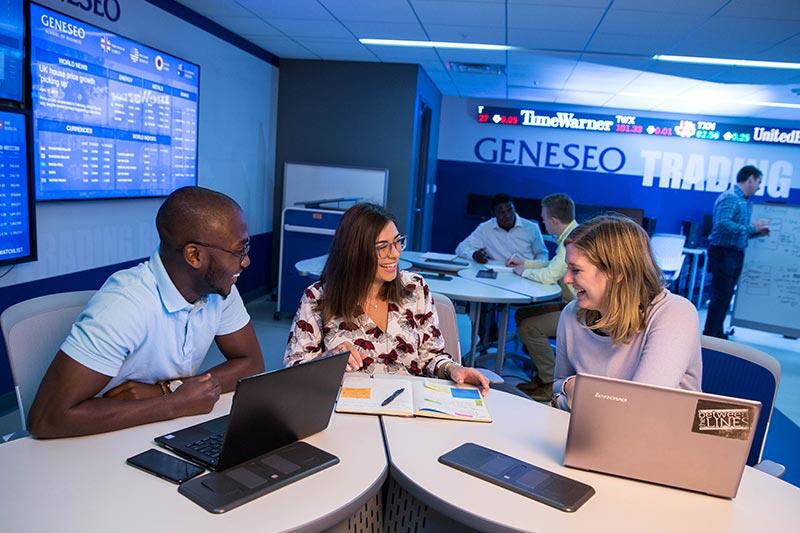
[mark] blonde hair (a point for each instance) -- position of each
(620, 249)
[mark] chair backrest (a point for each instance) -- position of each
(448, 325)
(733, 369)
(33, 331)
(668, 250)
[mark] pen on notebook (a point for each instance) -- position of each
(392, 396)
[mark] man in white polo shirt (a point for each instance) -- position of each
(133, 354)
(504, 236)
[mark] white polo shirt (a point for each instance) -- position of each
(138, 327)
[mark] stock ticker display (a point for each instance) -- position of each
(639, 125)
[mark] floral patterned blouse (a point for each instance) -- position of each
(412, 344)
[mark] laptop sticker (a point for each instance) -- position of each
(729, 420)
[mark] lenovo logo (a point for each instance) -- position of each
(601, 396)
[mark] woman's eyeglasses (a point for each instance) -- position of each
(399, 244)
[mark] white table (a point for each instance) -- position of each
(536, 433)
(417, 259)
(313, 266)
(83, 484)
(468, 290)
(536, 292)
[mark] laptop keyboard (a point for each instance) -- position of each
(209, 446)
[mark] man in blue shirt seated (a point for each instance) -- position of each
(730, 231)
(133, 354)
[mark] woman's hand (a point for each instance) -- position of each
(356, 359)
(462, 374)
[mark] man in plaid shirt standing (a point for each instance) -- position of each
(730, 232)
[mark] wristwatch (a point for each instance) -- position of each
(174, 384)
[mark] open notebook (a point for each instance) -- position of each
(433, 398)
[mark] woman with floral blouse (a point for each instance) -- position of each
(363, 304)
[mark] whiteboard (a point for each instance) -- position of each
(304, 182)
(768, 297)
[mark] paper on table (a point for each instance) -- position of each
(498, 267)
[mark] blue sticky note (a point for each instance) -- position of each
(469, 394)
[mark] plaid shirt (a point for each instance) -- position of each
(732, 226)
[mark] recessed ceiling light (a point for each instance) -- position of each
(727, 62)
(436, 44)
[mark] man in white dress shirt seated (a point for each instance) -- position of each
(504, 236)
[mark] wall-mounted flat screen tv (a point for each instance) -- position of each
(112, 118)
(17, 214)
(12, 25)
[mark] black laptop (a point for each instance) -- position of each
(269, 410)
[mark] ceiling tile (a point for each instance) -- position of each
(387, 30)
(284, 47)
(633, 102)
(338, 49)
(775, 9)
(460, 12)
(644, 46)
(299, 9)
(704, 7)
(547, 39)
(216, 8)
(247, 25)
(649, 23)
(394, 11)
(466, 34)
(311, 28)
(714, 39)
(526, 94)
(554, 17)
(583, 97)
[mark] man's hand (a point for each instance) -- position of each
(356, 359)
(480, 256)
(518, 270)
(762, 229)
(197, 395)
(462, 374)
(134, 390)
(515, 261)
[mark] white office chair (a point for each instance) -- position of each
(449, 327)
(668, 251)
(33, 331)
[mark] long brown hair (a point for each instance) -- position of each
(353, 261)
(620, 249)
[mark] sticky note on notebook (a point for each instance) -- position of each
(467, 394)
(358, 393)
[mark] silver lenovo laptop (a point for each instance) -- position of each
(685, 439)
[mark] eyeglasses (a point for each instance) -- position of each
(239, 255)
(398, 244)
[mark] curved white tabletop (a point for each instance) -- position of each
(536, 433)
(537, 292)
(83, 484)
(467, 290)
(314, 265)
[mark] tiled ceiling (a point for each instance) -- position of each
(589, 52)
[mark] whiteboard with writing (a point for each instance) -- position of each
(304, 182)
(768, 297)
